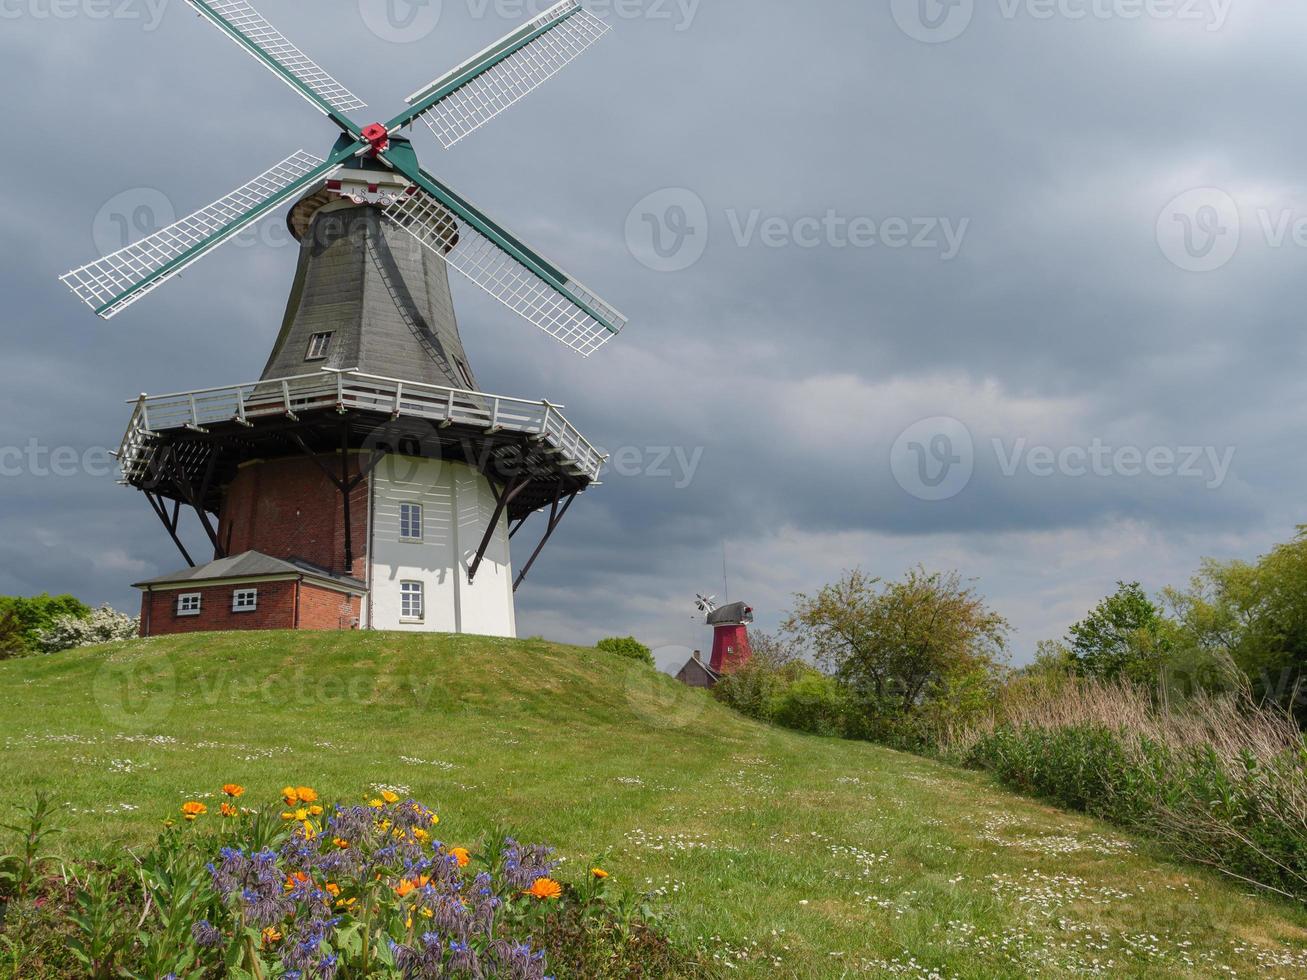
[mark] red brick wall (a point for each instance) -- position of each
(319, 609)
(323, 609)
(276, 610)
(287, 508)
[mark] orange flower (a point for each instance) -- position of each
(461, 855)
(389, 797)
(599, 873)
(346, 903)
(333, 889)
(298, 878)
(233, 790)
(290, 796)
(306, 794)
(271, 935)
(315, 810)
(340, 842)
(192, 809)
(544, 889)
(410, 884)
(228, 810)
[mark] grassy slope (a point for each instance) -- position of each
(784, 854)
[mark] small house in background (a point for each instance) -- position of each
(730, 645)
(696, 673)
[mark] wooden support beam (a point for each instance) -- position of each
(503, 498)
(170, 524)
(555, 518)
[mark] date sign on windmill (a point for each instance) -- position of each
(364, 480)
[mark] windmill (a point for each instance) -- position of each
(730, 647)
(368, 367)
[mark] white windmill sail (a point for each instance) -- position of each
(468, 97)
(111, 284)
(571, 314)
(251, 30)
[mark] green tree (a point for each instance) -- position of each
(1251, 616)
(899, 645)
(1125, 635)
(12, 641)
(37, 614)
(627, 646)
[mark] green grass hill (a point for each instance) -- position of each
(774, 853)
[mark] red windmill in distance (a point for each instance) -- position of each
(730, 642)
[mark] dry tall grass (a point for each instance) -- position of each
(1219, 778)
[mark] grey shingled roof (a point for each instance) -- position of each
(736, 612)
(385, 299)
(250, 564)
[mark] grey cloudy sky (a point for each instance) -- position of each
(1011, 286)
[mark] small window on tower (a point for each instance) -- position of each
(411, 606)
(188, 604)
(319, 345)
(410, 522)
(245, 600)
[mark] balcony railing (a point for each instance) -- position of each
(350, 390)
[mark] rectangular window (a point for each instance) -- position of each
(188, 604)
(245, 600)
(319, 345)
(410, 602)
(410, 522)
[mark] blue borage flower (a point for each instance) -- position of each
(378, 867)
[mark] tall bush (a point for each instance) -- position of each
(103, 625)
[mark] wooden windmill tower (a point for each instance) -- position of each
(364, 480)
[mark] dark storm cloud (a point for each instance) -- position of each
(1027, 162)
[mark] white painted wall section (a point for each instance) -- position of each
(457, 505)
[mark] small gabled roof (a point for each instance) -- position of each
(696, 663)
(251, 564)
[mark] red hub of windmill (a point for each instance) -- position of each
(378, 136)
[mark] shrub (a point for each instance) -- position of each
(352, 890)
(103, 625)
(627, 646)
(811, 702)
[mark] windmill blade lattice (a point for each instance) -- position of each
(468, 97)
(245, 25)
(570, 313)
(111, 284)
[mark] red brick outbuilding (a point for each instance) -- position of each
(250, 591)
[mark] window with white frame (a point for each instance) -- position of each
(319, 345)
(188, 604)
(410, 522)
(245, 600)
(411, 606)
